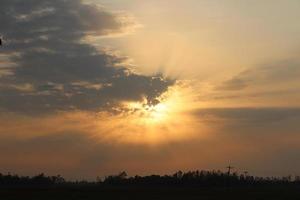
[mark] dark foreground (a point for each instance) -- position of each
(282, 193)
(200, 185)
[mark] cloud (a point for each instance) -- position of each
(236, 83)
(252, 117)
(44, 41)
(273, 73)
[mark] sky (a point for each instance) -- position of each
(91, 88)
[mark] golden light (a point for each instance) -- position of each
(141, 123)
(149, 114)
(168, 107)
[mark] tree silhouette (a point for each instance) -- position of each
(178, 179)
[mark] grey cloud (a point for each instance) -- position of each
(43, 39)
(33, 21)
(251, 116)
(269, 73)
(236, 83)
(274, 93)
(285, 70)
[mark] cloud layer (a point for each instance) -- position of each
(45, 66)
(269, 74)
(258, 140)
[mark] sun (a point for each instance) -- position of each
(150, 114)
(140, 122)
(159, 112)
(170, 107)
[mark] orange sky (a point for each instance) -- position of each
(97, 87)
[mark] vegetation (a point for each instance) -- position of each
(191, 178)
(181, 185)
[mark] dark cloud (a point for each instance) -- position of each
(54, 70)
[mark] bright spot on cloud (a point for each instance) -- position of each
(143, 123)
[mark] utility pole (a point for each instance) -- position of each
(229, 169)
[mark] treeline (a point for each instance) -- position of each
(39, 180)
(181, 179)
(199, 178)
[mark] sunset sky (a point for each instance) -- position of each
(91, 88)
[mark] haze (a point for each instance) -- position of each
(91, 88)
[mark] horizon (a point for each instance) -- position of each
(95, 87)
(241, 175)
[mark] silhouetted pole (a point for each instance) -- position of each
(229, 169)
(228, 178)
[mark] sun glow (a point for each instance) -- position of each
(167, 121)
(168, 107)
(142, 123)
